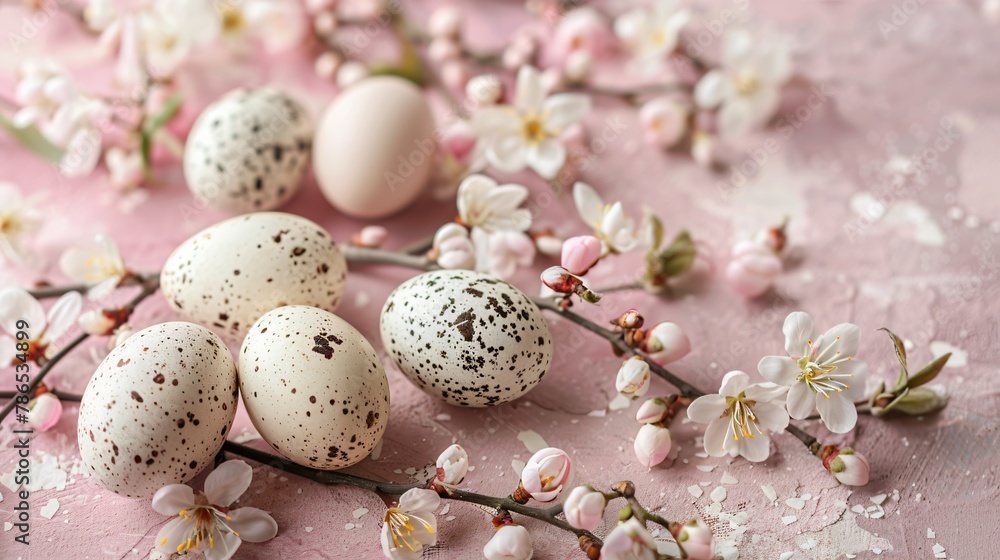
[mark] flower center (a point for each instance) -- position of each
(402, 529)
(742, 420)
(100, 267)
(204, 518)
(232, 19)
(820, 377)
(533, 130)
(10, 225)
(746, 84)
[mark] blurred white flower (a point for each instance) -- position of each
(44, 411)
(19, 218)
(650, 33)
(615, 230)
(748, 85)
(664, 121)
(20, 311)
(125, 168)
(279, 24)
(525, 134)
(484, 204)
(96, 263)
(507, 251)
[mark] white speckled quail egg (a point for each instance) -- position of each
(314, 387)
(466, 337)
(157, 409)
(228, 275)
(248, 151)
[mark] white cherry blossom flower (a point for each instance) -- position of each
(204, 521)
(615, 230)
(96, 263)
(629, 541)
(740, 417)
(508, 250)
(125, 169)
(546, 474)
(820, 371)
(748, 85)
(19, 218)
(484, 204)
(44, 329)
(651, 33)
(410, 527)
(525, 134)
(44, 86)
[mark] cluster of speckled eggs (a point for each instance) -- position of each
(160, 406)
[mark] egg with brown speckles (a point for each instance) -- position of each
(248, 151)
(466, 337)
(228, 275)
(157, 409)
(314, 387)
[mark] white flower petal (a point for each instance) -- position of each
(253, 525)
(17, 304)
(224, 546)
(564, 109)
(228, 482)
(547, 157)
(800, 332)
(738, 48)
(174, 533)
(734, 383)
(712, 88)
(504, 199)
(172, 498)
(737, 117)
(801, 401)
(8, 351)
(837, 412)
(490, 121)
(839, 342)
(508, 153)
(856, 384)
(419, 500)
(770, 416)
(715, 437)
(63, 315)
(530, 94)
(588, 203)
(707, 408)
(766, 392)
(781, 370)
(755, 449)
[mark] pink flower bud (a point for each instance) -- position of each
(510, 542)
(371, 236)
(452, 466)
(651, 411)
(666, 342)
(752, 270)
(578, 66)
(559, 280)
(633, 377)
(119, 336)
(704, 151)
(697, 540)
(546, 474)
(583, 30)
(584, 508)
(445, 21)
(44, 411)
(664, 122)
(652, 444)
(847, 466)
(580, 253)
(325, 23)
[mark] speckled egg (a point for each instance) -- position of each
(230, 274)
(466, 337)
(314, 387)
(157, 409)
(248, 151)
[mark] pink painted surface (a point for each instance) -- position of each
(927, 267)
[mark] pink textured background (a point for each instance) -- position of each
(927, 268)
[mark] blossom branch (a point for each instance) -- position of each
(46, 292)
(148, 287)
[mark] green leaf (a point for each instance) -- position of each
(901, 356)
(929, 371)
(656, 230)
(32, 139)
(153, 125)
(678, 256)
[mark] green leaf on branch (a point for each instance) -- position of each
(929, 371)
(678, 257)
(154, 124)
(31, 138)
(901, 356)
